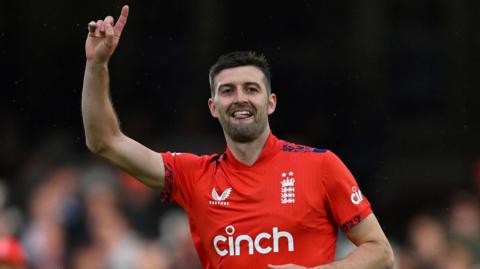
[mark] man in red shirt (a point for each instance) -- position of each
(264, 203)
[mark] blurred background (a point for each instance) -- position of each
(390, 86)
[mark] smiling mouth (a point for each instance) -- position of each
(241, 114)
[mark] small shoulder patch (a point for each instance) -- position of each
(291, 147)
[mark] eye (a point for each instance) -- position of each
(252, 89)
(225, 90)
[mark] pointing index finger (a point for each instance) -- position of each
(122, 20)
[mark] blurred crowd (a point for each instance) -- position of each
(94, 216)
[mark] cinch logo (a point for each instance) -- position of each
(233, 247)
(220, 199)
(356, 196)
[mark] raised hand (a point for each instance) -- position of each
(103, 37)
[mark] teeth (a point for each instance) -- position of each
(241, 113)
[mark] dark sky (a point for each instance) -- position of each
(390, 86)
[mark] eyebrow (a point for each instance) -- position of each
(246, 84)
(226, 85)
(252, 83)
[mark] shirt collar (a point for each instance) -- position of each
(271, 147)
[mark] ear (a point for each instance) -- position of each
(272, 103)
(213, 109)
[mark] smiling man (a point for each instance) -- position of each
(265, 202)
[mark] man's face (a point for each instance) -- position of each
(241, 102)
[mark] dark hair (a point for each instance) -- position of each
(240, 58)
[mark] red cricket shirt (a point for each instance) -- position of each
(285, 208)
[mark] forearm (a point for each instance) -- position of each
(371, 255)
(99, 119)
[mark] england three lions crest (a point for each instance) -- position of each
(287, 190)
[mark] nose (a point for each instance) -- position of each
(240, 96)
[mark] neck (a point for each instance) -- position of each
(248, 152)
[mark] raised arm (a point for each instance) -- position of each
(102, 129)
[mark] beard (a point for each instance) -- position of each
(243, 132)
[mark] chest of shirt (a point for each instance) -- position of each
(287, 195)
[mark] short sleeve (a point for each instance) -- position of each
(345, 201)
(180, 171)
